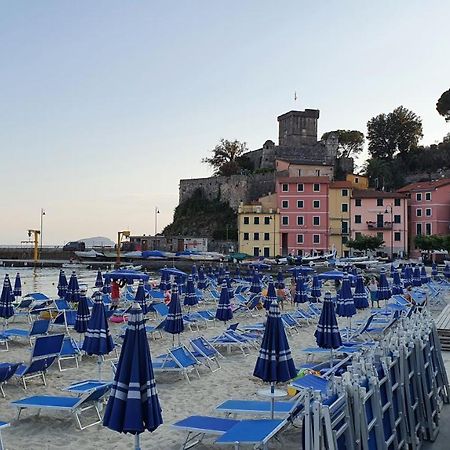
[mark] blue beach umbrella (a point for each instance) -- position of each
(383, 291)
(360, 297)
(224, 312)
(300, 291)
(407, 276)
(434, 270)
(230, 288)
(280, 280)
(99, 280)
(392, 270)
(271, 295)
(327, 332)
(174, 319)
(315, 289)
(98, 340)
(83, 314)
(237, 272)
(345, 306)
(221, 274)
(423, 275)
(140, 297)
(416, 277)
(62, 284)
(255, 288)
(163, 282)
(202, 284)
(190, 297)
(194, 272)
(6, 299)
(447, 271)
(396, 284)
(17, 286)
(133, 406)
(274, 363)
(73, 290)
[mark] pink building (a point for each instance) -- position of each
(303, 206)
(382, 214)
(429, 209)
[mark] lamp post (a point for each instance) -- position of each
(386, 211)
(42, 225)
(156, 219)
(274, 233)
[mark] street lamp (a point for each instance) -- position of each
(42, 224)
(156, 219)
(386, 211)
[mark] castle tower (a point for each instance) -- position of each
(298, 128)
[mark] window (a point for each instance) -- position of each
(255, 251)
(266, 236)
(356, 180)
(316, 238)
(256, 236)
(246, 220)
(344, 192)
(357, 218)
(300, 187)
(245, 236)
(379, 202)
(285, 220)
(397, 236)
(380, 235)
(427, 196)
(397, 218)
(397, 201)
(428, 229)
(300, 220)
(316, 204)
(266, 252)
(316, 187)
(285, 187)
(419, 197)
(300, 203)
(344, 207)
(419, 212)
(267, 220)
(357, 202)
(344, 227)
(299, 172)
(357, 235)
(318, 172)
(428, 212)
(299, 252)
(299, 238)
(418, 228)
(344, 240)
(285, 204)
(256, 220)
(316, 220)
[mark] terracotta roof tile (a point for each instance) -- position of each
(424, 185)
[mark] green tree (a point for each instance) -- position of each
(365, 242)
(350, 142)
(396, 132)
(443, 105)
(432, 242)
(226, 156)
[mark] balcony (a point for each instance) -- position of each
(371, 225)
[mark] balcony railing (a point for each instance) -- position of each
(379, 226)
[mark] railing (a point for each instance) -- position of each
(379, 226)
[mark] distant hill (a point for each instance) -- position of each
(98, 241)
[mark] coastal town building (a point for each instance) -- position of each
(339, 194)
(383, 214)
(165, 243)
(429, 209)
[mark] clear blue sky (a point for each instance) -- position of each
(105, 105)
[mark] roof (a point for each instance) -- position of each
(341, 184)
(425, 185)
(371, 193)
(309, 179)
(303, 161)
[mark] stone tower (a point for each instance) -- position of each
(298, 128)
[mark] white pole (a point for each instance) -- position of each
(137, 445)
(99, 362)
(272, 399)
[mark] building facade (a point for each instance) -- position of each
(259, 228)
(339, 216)
(383, 214)
(303, 206)
(429, 209)
(165, 244)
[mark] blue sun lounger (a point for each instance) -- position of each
(39, 328)
(178, 359)
(2, 425)
(69, 350)
(256, 407)
(205, 352)
(7, 370)
(73, 405)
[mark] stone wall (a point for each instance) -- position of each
(233, 189)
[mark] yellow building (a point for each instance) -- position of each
(358, 181)
(259, 227)
(339, 216)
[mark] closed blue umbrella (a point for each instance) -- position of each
(255, 288)
(383, 291)
(202, 284)
(174, 319)
(360, 297)
(221, 274)
(447, 271)
(83, 314)
(194, 272)
(416, 277)
(280, 280)
(396, 284)
(224, 311)
(133, 406)
(271, 295)
(237, 272)
(423, 275)
(434, 270)
(98, 340)
(17, 286)
(315, 289)
(62, 284)
(99, 280)
(140, 297)
(407, 277)
(163, 282)
(190, 297)
(392, 270)
(73, 290)
(300, 291)
(345, 306)
(6, 299)
(274, 363)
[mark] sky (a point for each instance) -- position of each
(105, 105)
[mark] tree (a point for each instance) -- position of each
(350, 142)
(432, 242)
(225, 159)
(396, 132)
(365, 242)
(443, 105)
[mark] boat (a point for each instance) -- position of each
(89, 254)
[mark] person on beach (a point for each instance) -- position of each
(281, 297)
(115, 293)
(373, 288)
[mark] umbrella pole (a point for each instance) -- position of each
(99, 363)
(331, 357)
(272, 399)
(137, 445)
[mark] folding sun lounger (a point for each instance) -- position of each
(178, 359)
(7, 370)
(74, 405)
(39, 328)
(204, 351)
(69, 350)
